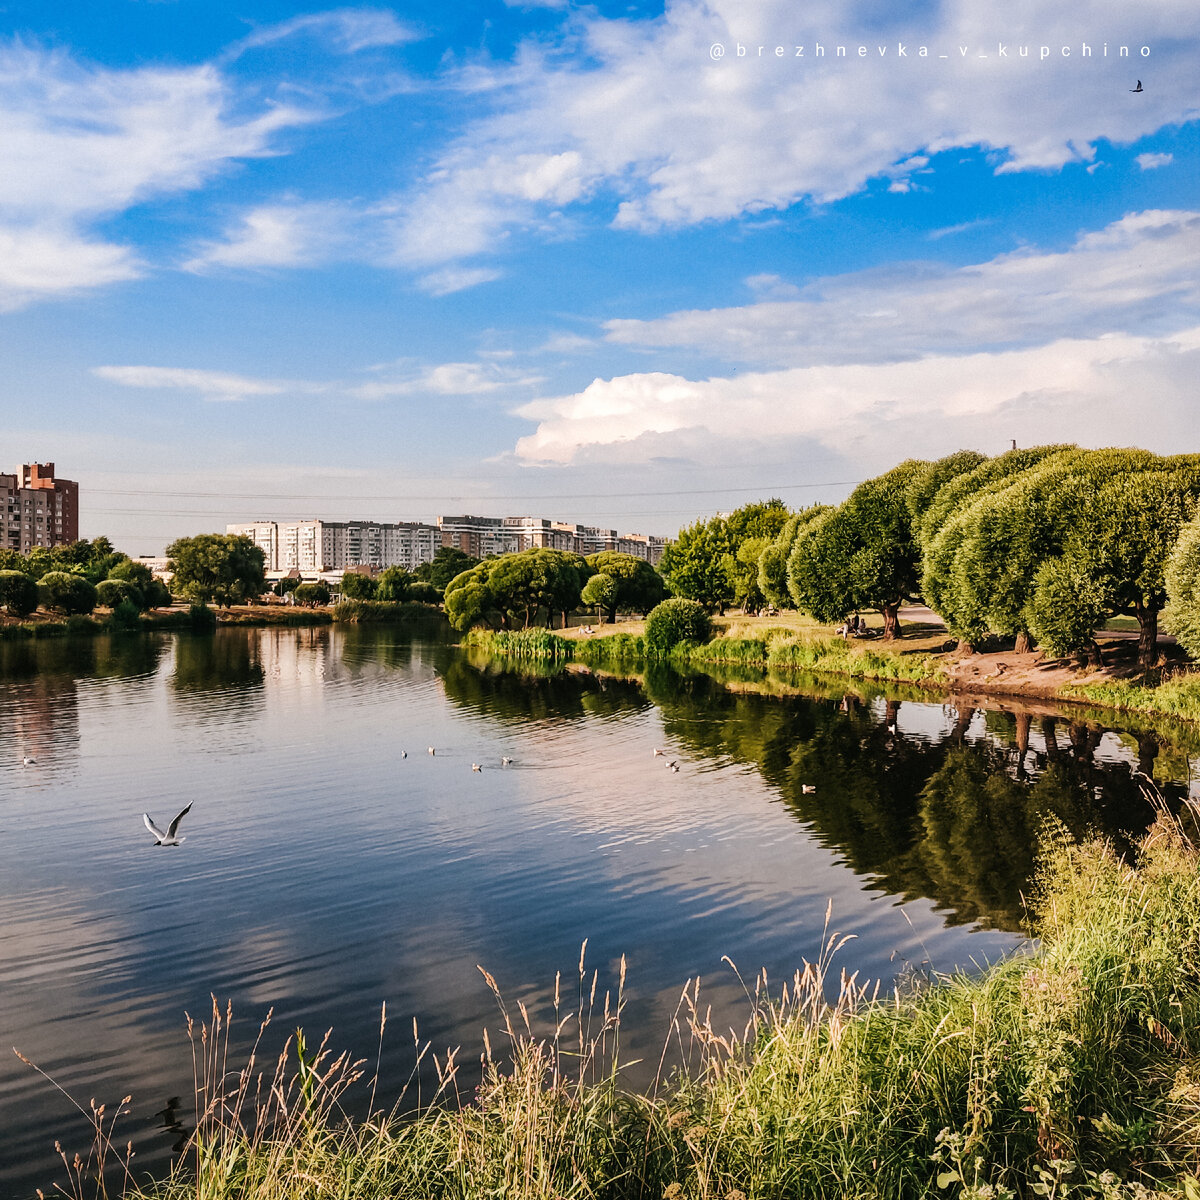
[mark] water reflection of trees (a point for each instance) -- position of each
(955, 818)
(227, 664)
(520, 692)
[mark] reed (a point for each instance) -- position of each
(1069, 1071)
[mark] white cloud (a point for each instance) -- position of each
(80, 143)
(454, 279)
(347, 30)
(636, 111)
(1132, 275)
(1042, 394)
(211, 385)
(1148, 162)
(43, 261)
(285, 235)
(445, 379)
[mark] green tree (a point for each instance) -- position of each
(111, 592)
(448, 561)
(226, 568)
(1065, 607)
(469, 600)
(157, 594)
(742, 568)
(772, 563)
(395, 583)
(862, 555)
(356, 586)
(602, 591)
(694, 564)
(18, 593)
(1182, 616)
(639, 587)
(66, 592)
(312, 595)
(132, 572)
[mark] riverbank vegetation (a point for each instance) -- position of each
(1071, 1071)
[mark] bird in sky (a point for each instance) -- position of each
(1139, 87)
(168, 838)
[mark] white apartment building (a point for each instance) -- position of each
(316, 545)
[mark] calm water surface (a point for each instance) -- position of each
(324, 874)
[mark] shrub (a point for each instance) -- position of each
(113, 592)
(18, 593)
(202, 618)
(312, 593)
(66, 593)
(674, 621)
(354, 586)
(1182, 616)
(126, 614)
(424, 593)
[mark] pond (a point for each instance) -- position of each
(332, 864)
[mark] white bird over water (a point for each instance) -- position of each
(168, 838)
(28, 762)
(476, 767)
(431, 749)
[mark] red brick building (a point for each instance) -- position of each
(37, 510)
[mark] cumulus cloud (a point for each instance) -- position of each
(1041, 393)
(1133, 275)
(637, 113)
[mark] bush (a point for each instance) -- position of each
(424, 593)
(354, 586)
(1182, 616)
(156, 594)
(126, 614)
(66, 593)
(18, 593)
(314, 594)
(372, 612)
(674, 621)
(113, 592)
(202, 618)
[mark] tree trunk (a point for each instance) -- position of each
(1050, 733)
(1148, 634)
(962, 723)
(1024, 720)
(1024, 643)
(965, 647)
(610, 617)
(891, 621)
(1147, 746)
(1095, 655)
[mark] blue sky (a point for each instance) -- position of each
(582, 261)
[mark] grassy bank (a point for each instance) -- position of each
(1178, 696)
(381, 612)
(778, 649)
(1073, 1071)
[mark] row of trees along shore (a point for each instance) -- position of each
(1044, 545)
(1041, 545)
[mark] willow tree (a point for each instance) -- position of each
(773, 561)
(1182, 616)
(862, 555)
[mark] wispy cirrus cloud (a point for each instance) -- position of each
(347, 30)
(210, 385)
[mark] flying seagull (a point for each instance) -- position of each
(168, 838)
(1139, 87)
